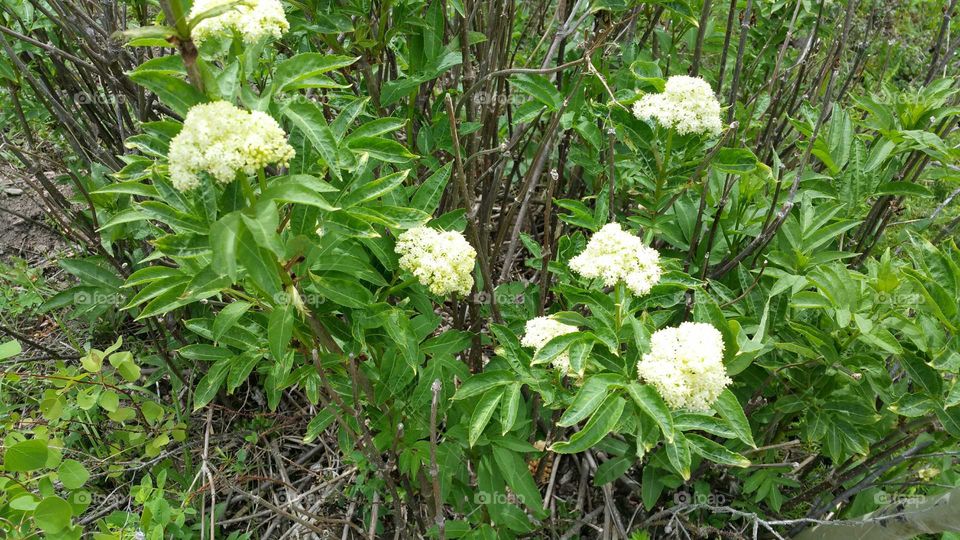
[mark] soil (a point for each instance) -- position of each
(22, 234)
(27, 234)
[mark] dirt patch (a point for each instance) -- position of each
(29, 250)
(24, 229)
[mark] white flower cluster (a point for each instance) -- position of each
(221, 139)
(615, 255)
(441, 260)
(252, 19)
(541, 330)
(685, 365)
(687, 105)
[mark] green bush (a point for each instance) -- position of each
(264, 237)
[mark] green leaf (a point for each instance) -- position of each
(179, 221)
(651, 486)
(730, 410)
(878, 155)
(734, 161)
(579, 352)
(903, 188)
(298, 72)
(483, 412)
(949, 419)
(393, 217)
(228, 317)
(603, 420)
(678, 453)
(345, 292)
(240, 368)
(651, 403)
(590, 396)
(280, 329)
(923, 376)
(261, 265)
(10, 349)
(308, 118)
(169, 300)
(539, 88)
(299, 189)
(125, 366)
(347, 115)
(517, 475)
(349, 225)
(882, 338)
(175, 93)
(263, 221)
(687, 421)
(210, 384)
(183, 245)
(152, 411)
(151, 273)
(510, 407)
(427, 196)
(132, 187)
(481, 382)
(380, 148)
(225, 240)
(26, 456)
(152, 32)
(611, 469)
(92, 361)
(380, 126)
(716, 452)
(109, 401)
(91, 273)
(72, 474)
(557, 346)
(374, 189)
(320, 422)
(53, 515)
(810, 299)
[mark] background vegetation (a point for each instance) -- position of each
(250, 361)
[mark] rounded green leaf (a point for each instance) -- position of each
(72, 474)
(26, 456)
(53, 515)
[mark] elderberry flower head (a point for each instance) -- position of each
(441, 260)
(252, 19)
(685, 365)
(221, 139)
(687, 105)
(616, 255)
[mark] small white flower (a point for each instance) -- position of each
(685, 365)
(441, 260)
(221, 139)
(540, 331)
(928, 473)
(615, 255)
(252, 19)
(687, 105)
